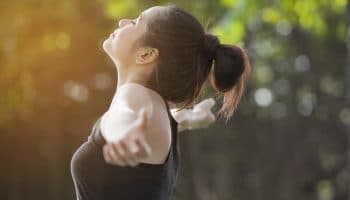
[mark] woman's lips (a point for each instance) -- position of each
(113, 34)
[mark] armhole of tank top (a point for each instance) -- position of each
(173, 130)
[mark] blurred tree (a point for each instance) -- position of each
(347, 90)
(288, 139)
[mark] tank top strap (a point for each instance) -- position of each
(175, 147)
(173, 124)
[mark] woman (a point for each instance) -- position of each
(163, 57)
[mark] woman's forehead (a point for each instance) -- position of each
(150, 12)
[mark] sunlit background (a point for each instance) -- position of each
(287, 141)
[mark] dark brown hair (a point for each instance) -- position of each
(186, 55)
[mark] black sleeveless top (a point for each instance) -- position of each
(94, 179)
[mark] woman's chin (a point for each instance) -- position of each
(106, 45)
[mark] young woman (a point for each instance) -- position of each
(163, 57)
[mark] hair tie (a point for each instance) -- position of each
(211, 44)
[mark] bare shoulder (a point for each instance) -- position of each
(134, 96)
(159, 131)
(129, 101)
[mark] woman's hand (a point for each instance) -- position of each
(132, 147)
(199, 117)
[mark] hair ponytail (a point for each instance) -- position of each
(230, 72)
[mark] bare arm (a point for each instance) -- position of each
(198, 117)
(132, 146)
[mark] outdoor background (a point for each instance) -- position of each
(288, 140)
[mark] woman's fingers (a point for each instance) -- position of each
(130, 149)
(143, 120)
(105, 154)
(144, 149)
(121, 154)
(126, 153)
(136, 149)
(204, 105)
(111, 156)
(139, 126)
(200, 119)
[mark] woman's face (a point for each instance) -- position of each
(119, 44)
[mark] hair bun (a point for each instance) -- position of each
(210, 43)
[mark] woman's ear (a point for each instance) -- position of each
(146, 55)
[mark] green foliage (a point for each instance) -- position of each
(287, 139)
(115, 9)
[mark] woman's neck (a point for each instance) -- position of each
(133, 74)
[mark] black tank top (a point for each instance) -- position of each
(94, 179)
